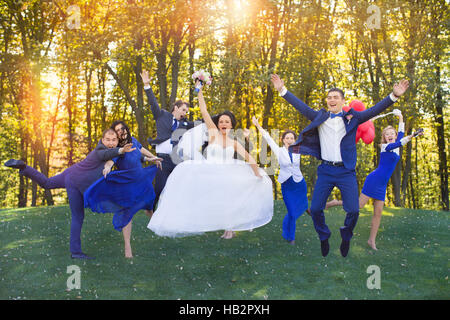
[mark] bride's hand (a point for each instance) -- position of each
(256, 170)
(199, 86)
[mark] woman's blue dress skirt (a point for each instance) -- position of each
(123, 193)
(296, 200)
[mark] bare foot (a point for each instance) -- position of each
(128, 253)
(372, 245)
(228, 234)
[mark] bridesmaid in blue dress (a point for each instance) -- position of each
(293, 185)
(126, 190)
(376, 182)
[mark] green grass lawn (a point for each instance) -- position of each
(412, 257)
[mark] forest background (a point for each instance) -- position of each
(68, 69)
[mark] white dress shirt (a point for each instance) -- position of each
(288, 168)
(331, 133)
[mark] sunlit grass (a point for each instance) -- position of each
(413, 259)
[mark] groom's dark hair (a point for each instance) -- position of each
(337, 90)
(178, 104)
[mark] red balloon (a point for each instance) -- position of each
(369, 132)
(357, 105)
(366, 130)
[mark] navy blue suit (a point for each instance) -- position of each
(76, 179)
(328, 176)
(164, 121)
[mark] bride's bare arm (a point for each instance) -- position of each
(204, 110)
(244, 154)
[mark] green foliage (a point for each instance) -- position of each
(312, 45)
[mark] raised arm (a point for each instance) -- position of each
(273, 145)
(205, 114)
(401, 125)
(292, 99)
(399, 89)
(154, 106)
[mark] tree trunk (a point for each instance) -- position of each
(406, 172)
(440, 132)
(87, 78)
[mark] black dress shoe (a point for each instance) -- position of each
(345, 246)
(17, 164)
(324, 247)
(80, 256)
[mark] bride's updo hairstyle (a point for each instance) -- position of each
(225, 113)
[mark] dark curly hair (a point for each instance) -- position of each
(228, 113)
(125, 127)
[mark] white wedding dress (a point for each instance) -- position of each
(217, 193)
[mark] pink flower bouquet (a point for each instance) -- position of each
(204, 78)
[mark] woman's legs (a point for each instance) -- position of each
(333, 203)
(363, 199)
(126, 238)
(378, 206)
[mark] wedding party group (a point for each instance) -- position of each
(202, 177)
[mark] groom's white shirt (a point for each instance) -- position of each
(331, 133)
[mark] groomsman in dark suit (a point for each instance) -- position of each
(330, 137)
(76, 179)
(166, 137)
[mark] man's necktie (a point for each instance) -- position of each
(174, 125)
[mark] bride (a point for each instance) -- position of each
(216, 193)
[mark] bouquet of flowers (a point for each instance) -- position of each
(204, 78)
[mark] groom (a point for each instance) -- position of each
(166, 137)
(76, 179)
(330, 137)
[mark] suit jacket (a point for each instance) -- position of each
(89, 170)
(164, 121)
(308, 141)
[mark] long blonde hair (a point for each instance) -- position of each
(383, 139)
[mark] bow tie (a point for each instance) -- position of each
(333, 115)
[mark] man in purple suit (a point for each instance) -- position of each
(76, 179)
